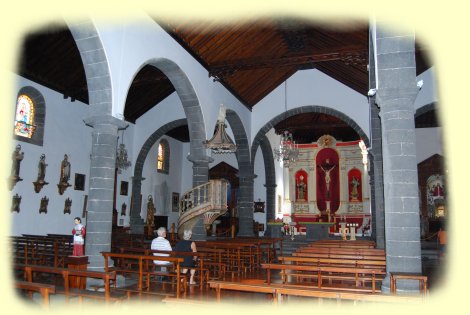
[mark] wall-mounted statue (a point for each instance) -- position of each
(150, 216)
(40, 182)
(16, 157)
(43, 206)
(64, 175)
(15, 206)
(123, 208)
(67, 205)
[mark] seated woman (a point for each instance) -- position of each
(186, 245)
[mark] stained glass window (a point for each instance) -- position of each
(160, 157)
(163, 157)
(24, 117)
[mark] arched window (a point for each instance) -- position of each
(24, 116)
(30, 116)
(163, 157)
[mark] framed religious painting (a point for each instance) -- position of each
(79, 183)
(124, 187)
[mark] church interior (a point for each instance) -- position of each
(307, 160)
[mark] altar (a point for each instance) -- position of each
(317, 230)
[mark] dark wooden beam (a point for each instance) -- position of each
(348, 54)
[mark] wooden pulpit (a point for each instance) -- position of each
(80, 263)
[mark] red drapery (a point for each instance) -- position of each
(328, 160)
(355, 179)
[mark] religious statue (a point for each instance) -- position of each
(43, 205)
(67, 205)
(40, 182)
(78, 233)
(65, 170)
(42, 168)
(15, 207)
(150, 215)
(327, 168)
(301, 188)
(17, 157)
(354, 188)
(64, 175)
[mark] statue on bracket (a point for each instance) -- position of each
(44, 203)
(16, 157)
(123, 208)
(64, 175)
(67, 205)
(40, 182)
(150, 215)
(15, 206)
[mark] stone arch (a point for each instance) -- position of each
(245, 174)
(96, 67)
(193, 113)
(136, 221)
(305, 109)
(39, 115)
(260, 140)
(270, 176)
(195, 121)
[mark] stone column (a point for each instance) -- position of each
(136, 222)
(101, 187)
(396, 93)
(270, 206)
(245, 204)
(200, 176)
(376, 176)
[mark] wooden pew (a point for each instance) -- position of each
(66, 273)
(279, 291)
(47, 250)
(338, 256)
(146, 268)
(329, 272)
(44, 289)
(345, 244)
(238, 256)
(337, 250)
(369, 263)
(202, 273)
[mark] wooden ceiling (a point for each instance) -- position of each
(250, 58)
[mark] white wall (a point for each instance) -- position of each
(64, 133)
(429, 92)
(429, 141)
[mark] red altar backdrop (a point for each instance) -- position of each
(327, 164)
(301, 186)
(355, 180)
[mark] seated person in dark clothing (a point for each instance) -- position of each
(186, 245)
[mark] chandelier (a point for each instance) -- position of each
(220, 141)
(121, 156)
(288, 151)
